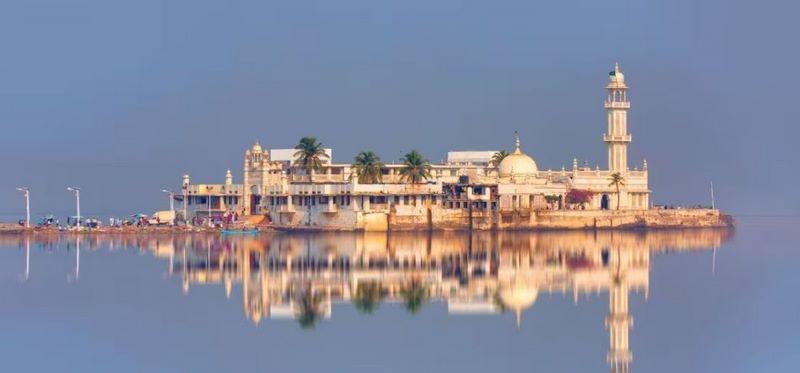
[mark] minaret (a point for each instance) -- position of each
(618, 322)
(617, 138)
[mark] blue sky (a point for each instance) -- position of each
(122, 97)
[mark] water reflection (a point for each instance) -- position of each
(301, 276)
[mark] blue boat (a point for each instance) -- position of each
(240, 231)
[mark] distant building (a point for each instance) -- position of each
(465, 191)
(471, 158)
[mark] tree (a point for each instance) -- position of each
(414, 295)
(498, 157)
(617, 180)
(309, 154)
(309, 311)
(551, 199)
(368, 167)
(415, 168)
(579, 196)
(368, 297)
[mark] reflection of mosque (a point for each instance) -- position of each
(302, 276)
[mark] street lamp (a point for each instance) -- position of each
(171, 199)
(77, 202)
(171, 204)
(27, 205)
(208, 204)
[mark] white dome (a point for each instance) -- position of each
(519, 295)
(517, 164)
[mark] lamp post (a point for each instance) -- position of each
(185, 209)
(77, 203)
(27, 205)
(171, 199)
(208, 204)
(171, 204)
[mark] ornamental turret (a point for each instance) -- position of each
(617, 105)
(228, 178)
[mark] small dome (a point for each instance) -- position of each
(257, 148)
(517, 164)
(519, 295)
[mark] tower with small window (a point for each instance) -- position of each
(617, 105)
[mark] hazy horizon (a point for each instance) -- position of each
(121, 99)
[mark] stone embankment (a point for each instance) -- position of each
(462, 219)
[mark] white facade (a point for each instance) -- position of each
(332, 197)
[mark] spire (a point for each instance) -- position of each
(519, 317)
(516, 143)
(616, 68)
(228, 177)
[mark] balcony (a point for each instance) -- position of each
(617, 105)
(618, 138)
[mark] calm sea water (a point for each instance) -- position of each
(659, 301)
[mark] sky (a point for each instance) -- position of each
(121, 98)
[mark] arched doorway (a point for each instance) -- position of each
(255, 200)
(605, 202)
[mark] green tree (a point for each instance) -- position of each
(551, 199)
(617, 180)
(414, 295)
(415, 168)
(498, 157)
(368, 167)
(309, 312)
(368, 297)
(309, 154)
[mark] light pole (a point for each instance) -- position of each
(77, 202)
(171, 199)
(171, 204)
(185, 209)
(208, 204)
(27, 205)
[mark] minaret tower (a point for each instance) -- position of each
(617, 138)
(619, 320)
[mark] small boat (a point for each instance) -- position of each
(240, 231)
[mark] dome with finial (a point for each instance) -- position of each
(518, 295)
(517, 164)
(257, 147)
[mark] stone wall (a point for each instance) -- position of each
(632, 218)
(425, 218)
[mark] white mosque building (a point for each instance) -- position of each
(466, 191)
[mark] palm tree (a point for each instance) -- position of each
(617, 180)
(414, 295)
(368, 297)
(498, 157)
(309, 312)
(309, 154)
(368, 167)
(415, 168)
